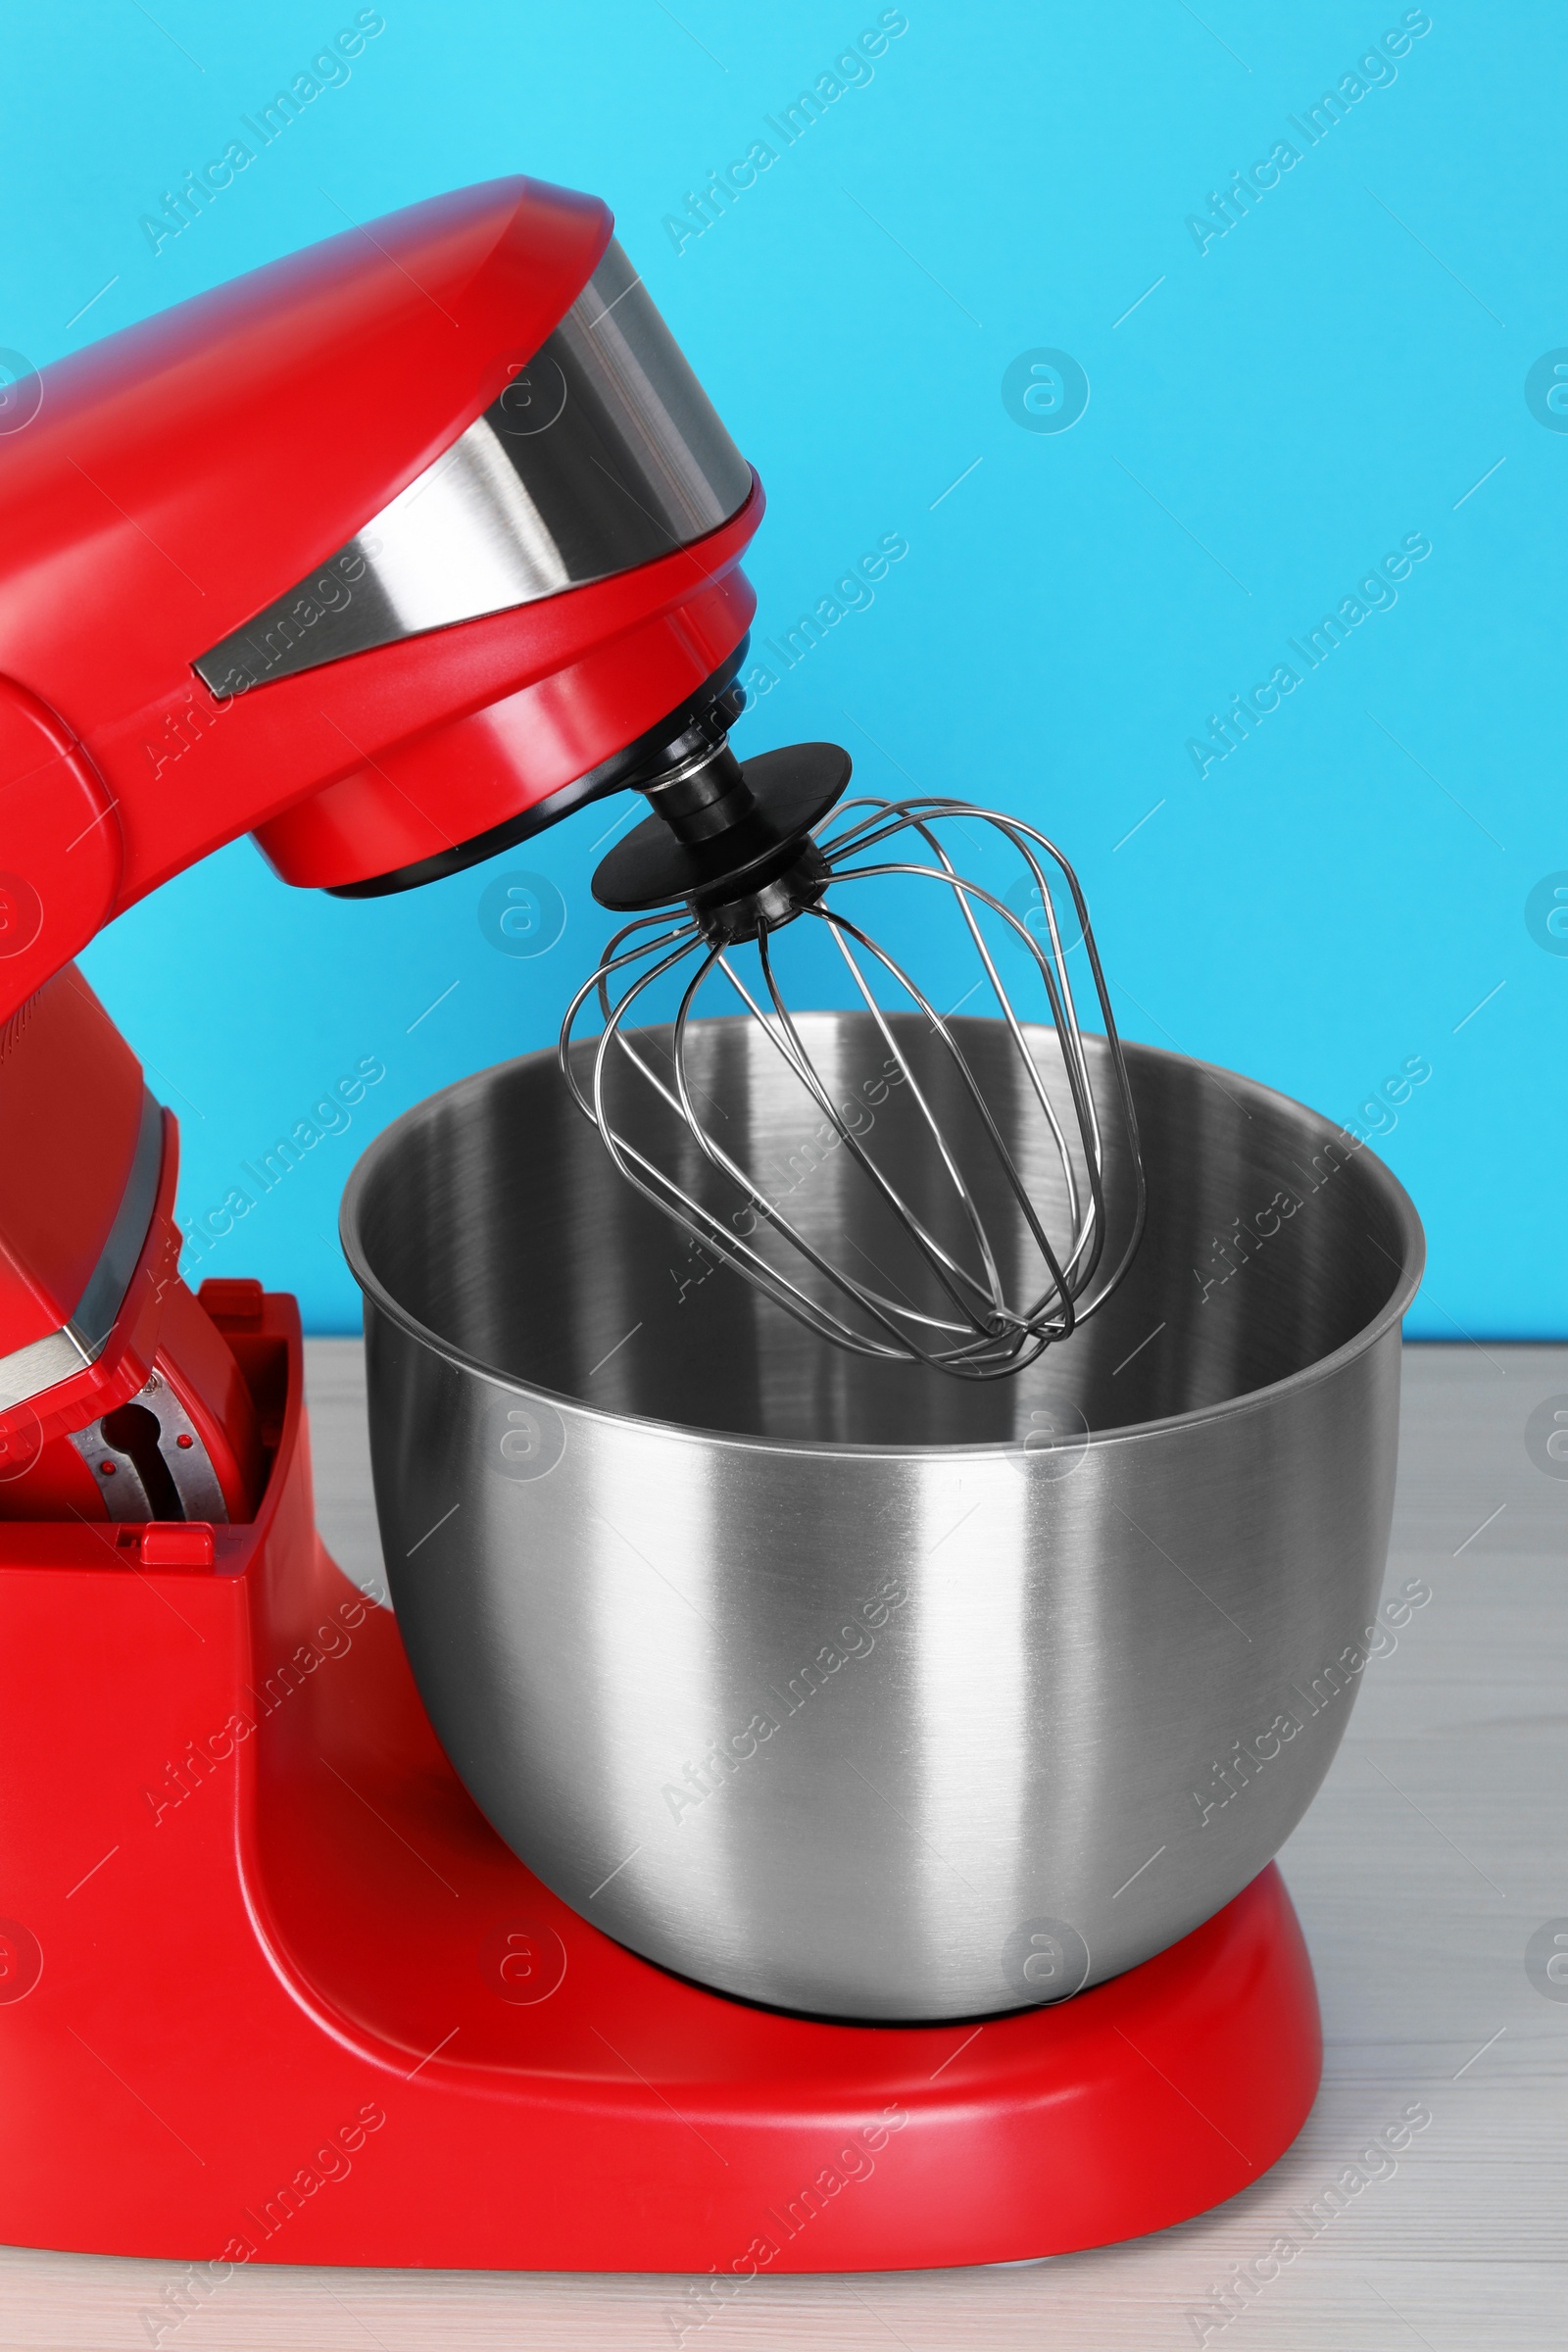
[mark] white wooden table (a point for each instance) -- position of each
(1436, 1847)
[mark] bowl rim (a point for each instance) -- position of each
(1251, 1401)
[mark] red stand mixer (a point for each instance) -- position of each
(271, 1987)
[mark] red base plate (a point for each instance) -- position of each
(272, 1989)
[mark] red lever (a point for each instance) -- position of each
(176, 1543)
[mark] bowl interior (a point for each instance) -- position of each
(491, 1218)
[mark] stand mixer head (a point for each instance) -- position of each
(747, 851)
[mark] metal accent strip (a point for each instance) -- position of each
(26, 1372)
(601, 453)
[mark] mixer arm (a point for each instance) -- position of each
(390, 554)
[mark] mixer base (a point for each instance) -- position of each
(273, 1991)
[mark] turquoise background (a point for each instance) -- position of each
(1267, 418)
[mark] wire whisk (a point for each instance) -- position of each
(989, 1284)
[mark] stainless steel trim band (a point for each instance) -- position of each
(43, 1364)
(603, 453)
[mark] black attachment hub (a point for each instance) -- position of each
(734, 841)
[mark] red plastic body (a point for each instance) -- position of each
(70, 1092)
(71, 1103)
(181, 474)
(271, 1989)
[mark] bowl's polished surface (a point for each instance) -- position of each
(850, 1688)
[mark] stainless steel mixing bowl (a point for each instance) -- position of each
(845, 1686)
